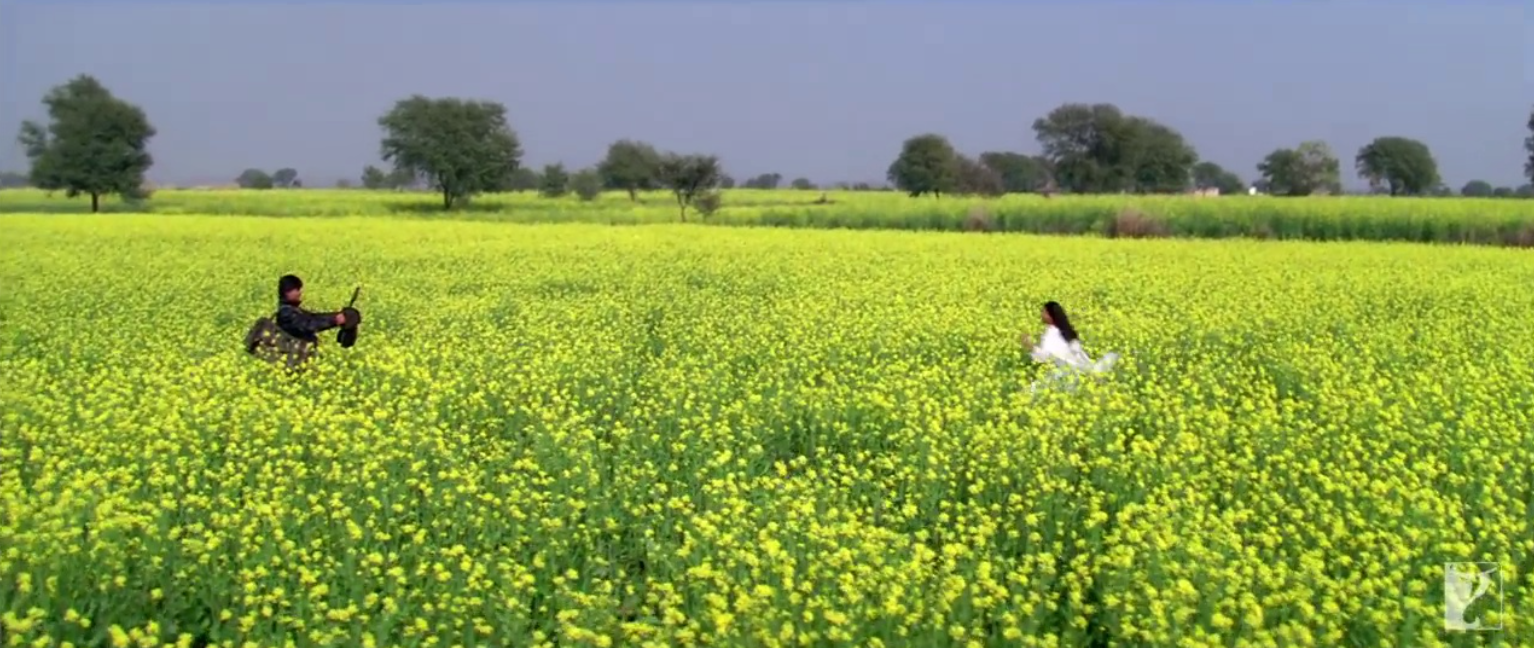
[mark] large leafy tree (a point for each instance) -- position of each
(461, 147)
(976, 178)
(1477, 189)
(1208, 175)
(1019, 173)
(1310, 168)
(286, 177)
(927, 164)
(688, 177)
(1404, 165)
(631, 166)
(1097, 148)
(94, 143)
(254, 179)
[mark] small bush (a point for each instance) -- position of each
(587, 184)
(1133, 223)
(979, 220)
(709, 203)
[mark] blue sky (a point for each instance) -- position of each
(826, 90)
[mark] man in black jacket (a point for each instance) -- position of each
(296, 321)
(293, 333)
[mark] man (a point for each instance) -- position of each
(293, 333)
(296, 321)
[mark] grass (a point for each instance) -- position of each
(674, 435)
(1480, 221)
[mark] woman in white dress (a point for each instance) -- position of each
(1061, 346)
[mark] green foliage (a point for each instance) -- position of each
(1019, 173)
(285, 178)
(254, 179)
(587, 184)
(1404, 165)
(461, 147)
(709, 202)
(977, 179)
(1097, 148)
(1528, 146)
(802, 184)
(631, 166)
(376, 178)
(927, 164)
(726, 182)
(1478, 189)
(688, 176)
(764, 181)
(1208, 175)
(94, 144)
(556, 181)
(12, 180)
(1453, 220)
(524, 179)
(1307, 170)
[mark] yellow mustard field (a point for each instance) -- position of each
(584, 435)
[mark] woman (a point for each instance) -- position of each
(1061, 346)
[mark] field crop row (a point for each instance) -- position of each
(1442, 220)
(671, 435)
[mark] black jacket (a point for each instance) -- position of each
(303, 324)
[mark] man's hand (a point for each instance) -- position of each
(1027, 341)
(340, 319)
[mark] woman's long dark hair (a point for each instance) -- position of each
(1057, 315)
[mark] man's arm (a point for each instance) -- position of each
(294, 319)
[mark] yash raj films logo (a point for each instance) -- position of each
(1472, 593)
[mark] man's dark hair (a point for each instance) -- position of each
(287, 283)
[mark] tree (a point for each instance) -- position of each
(94, 143)
(688, 177)
(524, 179)
(1404, 165)
(254, 179)
(631, 166)
(1208, 175)
(802, 184)
(1503, 192)
(726, 182)
(1528, 145)
(556, 182)
(587, 184)
(344, 183)
(1309, 169)
(1477, 189)
(373, 178)
(1525, 191)
(462, 147)
(286, 177)
(975, 178)
(1097, 148)
(376, 178)
(1019, 173)
(765, 181)
(12, 180)
(927, 164)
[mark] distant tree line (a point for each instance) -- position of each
(97, 144)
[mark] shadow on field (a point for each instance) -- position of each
(435, 208)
